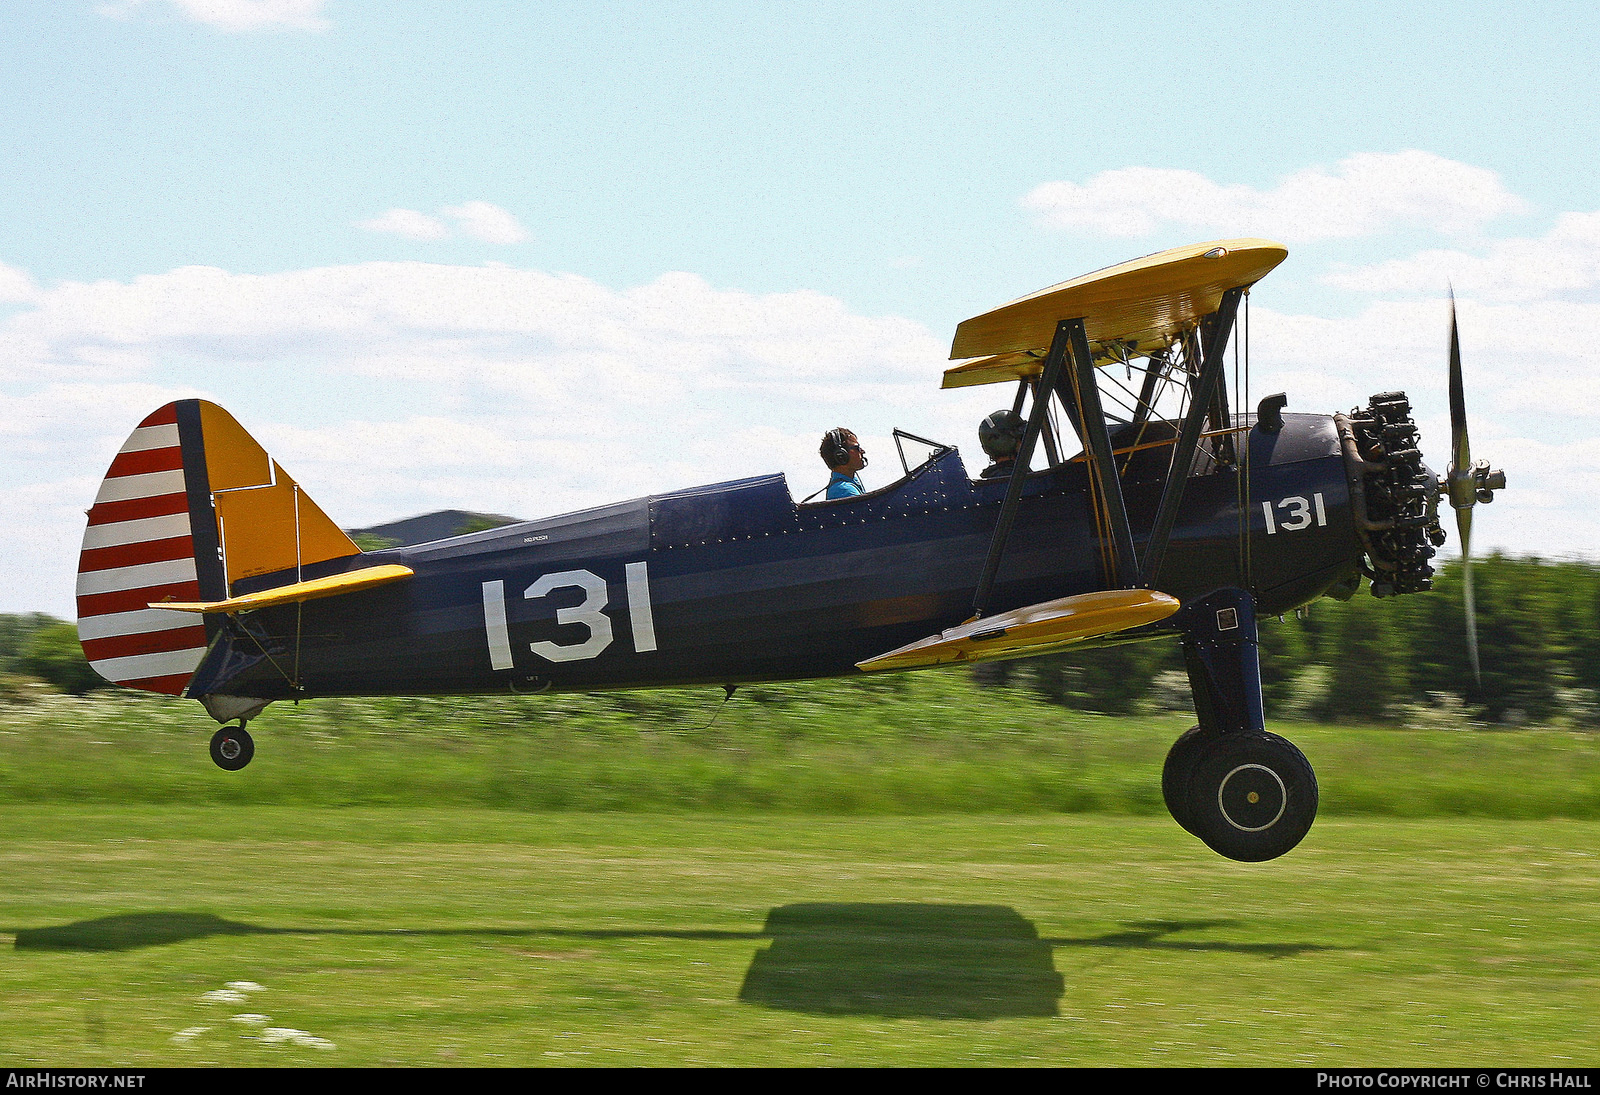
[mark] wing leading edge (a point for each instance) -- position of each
(1035, 629)
(1137, 307)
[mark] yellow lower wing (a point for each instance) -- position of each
(331, 586)
(1035, 629)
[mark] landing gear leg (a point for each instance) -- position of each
(232, 747)
(1248, 794)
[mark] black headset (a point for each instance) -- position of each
(835, 449)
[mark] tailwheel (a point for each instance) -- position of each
(1176, 772)
(1252, 796)
(232, 747)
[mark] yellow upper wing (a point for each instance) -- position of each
(1140, 305)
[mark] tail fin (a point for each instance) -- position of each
(191, 505)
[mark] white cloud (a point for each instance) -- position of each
(394, 388)
(16, 287)
(1564, 259)
(1366, 193)
(478, 219)
(408, 223)
(1536, 514)
(487, 222)
(389, 389)
(234, 15)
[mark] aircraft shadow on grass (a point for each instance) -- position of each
(129, 931)
(938, 961)
(900, 960)
(904, 960)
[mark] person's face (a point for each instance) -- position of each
(855, 455)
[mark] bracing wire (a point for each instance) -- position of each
(1129, 392)
(1167, 369)
(1249, 546)
(1239, 475)
(1097, 503)
(1241, 388)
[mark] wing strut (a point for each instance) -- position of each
(1097, 441)
(1147, 391)
(1030, 437)
(1201, 394)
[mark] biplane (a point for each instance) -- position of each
(208, 572)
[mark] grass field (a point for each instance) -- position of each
(460, 936)
(914, 743)
(924, 874)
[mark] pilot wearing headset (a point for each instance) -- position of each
(1001, 436)
(843, 454)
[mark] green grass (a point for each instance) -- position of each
(435, 936)
(916, 744)
(913, 872)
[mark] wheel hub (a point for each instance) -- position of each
(1252, 797)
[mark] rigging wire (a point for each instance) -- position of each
(1239, 472)
(1241, 388)
(290, 680)
(1249, 545)
(1097, 503)
(1164, 381)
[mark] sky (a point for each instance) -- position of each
(526, 258)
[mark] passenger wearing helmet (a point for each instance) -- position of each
(843, 454)
(1001, 436)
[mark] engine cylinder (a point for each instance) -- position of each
(1396, 496)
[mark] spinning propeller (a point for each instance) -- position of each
(1467, 484)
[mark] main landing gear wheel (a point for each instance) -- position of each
(1251, 796)
(1176, 772)
(232, 747)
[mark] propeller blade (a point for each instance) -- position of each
(1460, 450)
(1463, 488)
(1468, 598)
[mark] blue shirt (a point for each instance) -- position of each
(845, 486)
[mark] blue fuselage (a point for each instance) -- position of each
(735, 582)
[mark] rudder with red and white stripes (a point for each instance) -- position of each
(192, 506)
(138, 548)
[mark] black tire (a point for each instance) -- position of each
(1252, 797)
(1179, 768)
(232, 747)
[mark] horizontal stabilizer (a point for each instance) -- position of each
(1036, 629)
(332, 586)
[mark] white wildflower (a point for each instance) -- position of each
(298, 1037)
(223, 996)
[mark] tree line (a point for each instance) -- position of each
(1365, 659)
(1374, 660)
